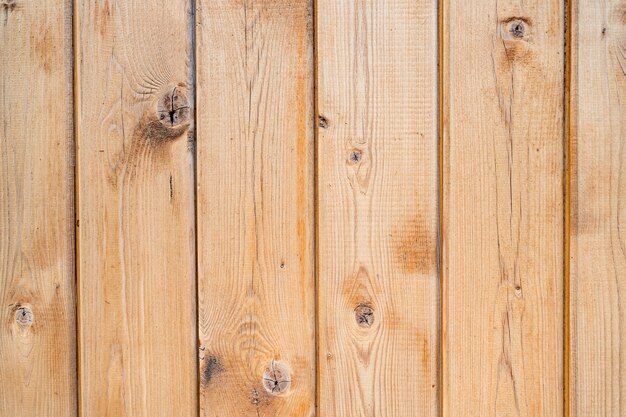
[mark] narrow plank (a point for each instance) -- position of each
(377, 168)
(136, 209)
(502, 259)
(255, 207)
(37, 291)
(598, 209)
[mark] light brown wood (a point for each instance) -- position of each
(255, 207)
(502, 258)
(598, 210)
(136, 209)
(377, 190)
(37, 291)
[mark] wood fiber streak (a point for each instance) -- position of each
(136, 208)
(377, 190)
(255, 207)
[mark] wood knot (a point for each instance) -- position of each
(24, 316)
(515, 28)
(323, 122)
(277, 378)
(364, 315)
(8, 5)
(355, 156)
(173, 107)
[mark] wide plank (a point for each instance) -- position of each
(37, 290)
(598, 209)
(255, 207)
(136, 208)
(378, 191)
(502, 247)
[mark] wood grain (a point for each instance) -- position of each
(255, 207)
(136, 209)
(598, 209)
(377, 190)
(37, 291)
(502, 223)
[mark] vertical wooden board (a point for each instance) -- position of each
(255, 207)
(598, 209)
(136, 209)
(503, 208)
(37, 292)
(377, 170)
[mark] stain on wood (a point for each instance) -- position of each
(414, 246)
(212, 368)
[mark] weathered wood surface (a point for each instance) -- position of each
(502, 247)
(377, 191)
(598, 209)
(135, 190)
(321, 280)
(37, 291)
(255, 207)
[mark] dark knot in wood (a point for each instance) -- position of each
(24, 316)
(173, 107)
(277, 378)
(364, 315)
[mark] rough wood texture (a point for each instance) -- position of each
(503, 208)
(136, 209)
(255, 208)
(378, 282)
(37, 292)
(598, 212)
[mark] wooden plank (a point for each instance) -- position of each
(377, 168)
(598, 209)
(502, 259)
(255, 207)
(37, 291)
(136, 209)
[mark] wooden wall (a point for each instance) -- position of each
(313, 207)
